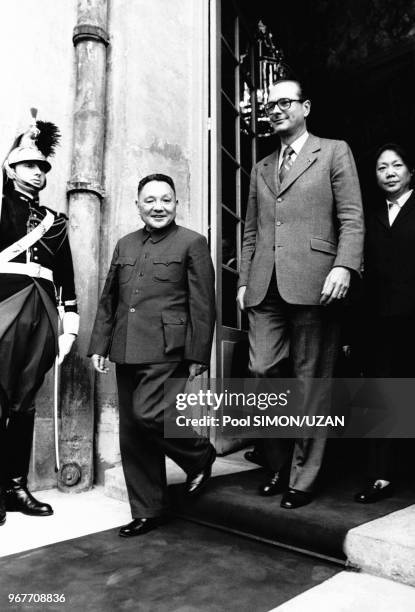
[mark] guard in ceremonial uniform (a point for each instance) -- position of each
(35, 268)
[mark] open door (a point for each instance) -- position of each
(233, 152)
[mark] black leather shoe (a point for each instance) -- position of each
(373, 493)
(255, 457)
(295, 499)
(196, 483)
(19, 499)
(140, 526)
(272, 487)
(2, 506)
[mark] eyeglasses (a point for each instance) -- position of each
(283, 104)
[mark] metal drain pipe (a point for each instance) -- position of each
(85, 195)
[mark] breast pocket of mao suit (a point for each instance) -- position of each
(324, 246)
(174, 328)
(125, 268)
(167, 269)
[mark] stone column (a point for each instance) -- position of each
(85, 194)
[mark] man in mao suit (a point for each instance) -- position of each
(155, 319)
(303, 239)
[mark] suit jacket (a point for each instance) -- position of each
(304, 226)
(158, 302)
(389, 276)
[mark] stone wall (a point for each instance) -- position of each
(155, 124)
(38, 71)
(156, 118)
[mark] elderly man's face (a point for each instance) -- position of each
(292, 121)
(157, 204)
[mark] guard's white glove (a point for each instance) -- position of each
(65, 342)
(70, 323)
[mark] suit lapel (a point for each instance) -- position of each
(382, 214)
(268, 171)
(305, 159)
(407, 209)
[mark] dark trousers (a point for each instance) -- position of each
(309, 337)
(389, 354)
(144, 404)
(27, 351)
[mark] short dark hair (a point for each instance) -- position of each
(161, 178)
(301, 89)
(399, 150)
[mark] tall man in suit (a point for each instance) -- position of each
(303, 239)
(155, 319)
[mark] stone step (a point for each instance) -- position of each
(384, 547)
(115, 482)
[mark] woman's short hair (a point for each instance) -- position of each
(399, 150)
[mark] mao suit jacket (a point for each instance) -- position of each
(304, 226)
(158, 302)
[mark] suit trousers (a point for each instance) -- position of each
(144, 405)
(309, 337)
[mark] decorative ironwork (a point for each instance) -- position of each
(271, 66)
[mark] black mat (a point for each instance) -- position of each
(232, 501)
(179, 567)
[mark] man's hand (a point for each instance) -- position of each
(65, 342)
(336, 285)
(240, 297)
(195, 369)
(99, 363)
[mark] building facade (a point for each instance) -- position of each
(175, 86)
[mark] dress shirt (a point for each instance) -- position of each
(395, 207)
(297, 145)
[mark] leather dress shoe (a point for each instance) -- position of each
(373, 493)
(255, 457)
(139, 526)
(272, 487)
(295, 499)
(197, 482)
(2, 507)
(19, 499)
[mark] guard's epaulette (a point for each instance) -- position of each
(59, 216)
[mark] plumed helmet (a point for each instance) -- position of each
(36, 144)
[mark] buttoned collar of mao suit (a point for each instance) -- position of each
(156, 235)
(307, 155)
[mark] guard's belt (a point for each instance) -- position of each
(29, 269)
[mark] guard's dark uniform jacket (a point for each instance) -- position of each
(19, 215)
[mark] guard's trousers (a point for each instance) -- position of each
(27, 351)
(144, 404)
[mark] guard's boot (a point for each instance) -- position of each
(19, 499)
(2, 506)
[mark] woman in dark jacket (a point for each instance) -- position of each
(389, 280)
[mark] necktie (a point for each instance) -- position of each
(287, 162)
